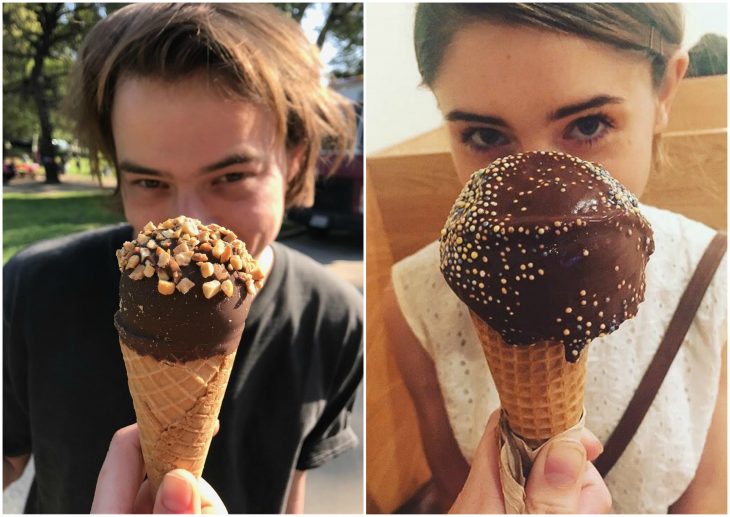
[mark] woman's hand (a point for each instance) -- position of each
(120, 487)
(562, 479)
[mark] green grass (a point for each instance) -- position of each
(29, 218)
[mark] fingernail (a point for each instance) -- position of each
(176, 494)
(564, 464)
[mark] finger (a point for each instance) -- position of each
(145, 498)
(216, 427)
(593, 445)
(210, 501)
(121, 474)
(554, 483)
(178, 493)
(594, 496)
(482, 492)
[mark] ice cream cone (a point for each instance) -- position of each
(184, 295)
(541, 393)
(177, 405)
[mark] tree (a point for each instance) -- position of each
(38, 51)
(343, 24)
(708, 56)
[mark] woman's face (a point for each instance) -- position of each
(184, 150)
(505, 90)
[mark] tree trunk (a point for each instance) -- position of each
(47, 15)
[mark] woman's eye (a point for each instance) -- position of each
(483, 137)
(588, 128)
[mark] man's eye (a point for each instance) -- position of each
(147, 183)
(231, 177)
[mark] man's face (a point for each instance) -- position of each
(182, 149)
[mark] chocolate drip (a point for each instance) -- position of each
(544, 246)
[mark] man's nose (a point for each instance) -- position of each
(189, 202)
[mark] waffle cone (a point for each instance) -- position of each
(177, 405)
(541, 393)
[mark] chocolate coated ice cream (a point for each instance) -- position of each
(543, 246)
(185, 290)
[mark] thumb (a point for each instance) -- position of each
(178, 493)
(554, 483)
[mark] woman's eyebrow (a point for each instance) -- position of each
(463, 116)
(595, 102)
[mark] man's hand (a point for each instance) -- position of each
(120, 487)
(562, 479)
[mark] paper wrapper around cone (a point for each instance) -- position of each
(177, 405)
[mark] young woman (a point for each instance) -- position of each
(596, 81)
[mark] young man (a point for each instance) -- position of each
(214, 112)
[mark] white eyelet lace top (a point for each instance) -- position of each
(661, 460)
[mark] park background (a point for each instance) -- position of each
(52, 192)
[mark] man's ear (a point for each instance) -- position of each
(676, 68)
(294, 161)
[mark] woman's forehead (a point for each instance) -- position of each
(496, 64)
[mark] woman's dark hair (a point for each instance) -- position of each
(654, 30)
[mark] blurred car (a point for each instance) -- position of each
(21, 166)
(338, 201)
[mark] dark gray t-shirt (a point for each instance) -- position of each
(65, 387)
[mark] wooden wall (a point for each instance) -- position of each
(410, 188)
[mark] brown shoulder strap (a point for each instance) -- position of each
(673, 338)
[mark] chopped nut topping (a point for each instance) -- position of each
(183, 259)
(163, 259)
(133, 261)
(236, 262)
(179, 242)
(220, 272)
(257, 274)
(173, 265)
(206, 269)
(185, 285)
(165, 287)
(218, 249)
(227, 252)
(210, 289)
(189, 228)
(181, 248)
(137, 274)
(227, 288)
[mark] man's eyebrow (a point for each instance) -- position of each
(128, 166)
(464, 116)
(233, 159)
(595, 102)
